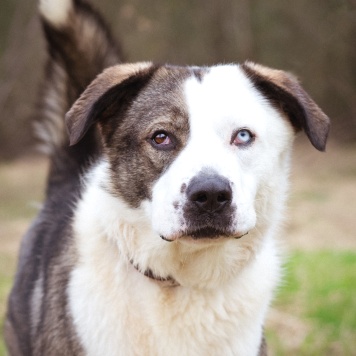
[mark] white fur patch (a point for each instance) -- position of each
(56, 12)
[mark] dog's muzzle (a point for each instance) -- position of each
(208, 211)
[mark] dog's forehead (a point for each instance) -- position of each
(219, 80)
(223, 99)
(162, 99)
(220, 92)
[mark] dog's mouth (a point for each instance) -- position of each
(206, 233)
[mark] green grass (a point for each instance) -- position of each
(320, 290)
(7, 266)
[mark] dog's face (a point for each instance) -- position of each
(234, 140)
(203, 152)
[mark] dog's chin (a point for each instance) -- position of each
(206, 234)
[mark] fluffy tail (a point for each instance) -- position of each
(80, 46)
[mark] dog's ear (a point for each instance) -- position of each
(105, 96)
(287, 95)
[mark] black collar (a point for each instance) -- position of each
(166, 281)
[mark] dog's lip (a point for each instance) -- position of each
(196, 236)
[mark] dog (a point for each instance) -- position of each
(165, 194)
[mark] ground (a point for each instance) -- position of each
(314, 312)
(322, 198)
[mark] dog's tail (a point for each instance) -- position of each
(80, 46)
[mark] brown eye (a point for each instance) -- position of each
(163, 141)
(161, 138)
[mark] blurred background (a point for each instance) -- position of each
(315, 308)
(314, 39)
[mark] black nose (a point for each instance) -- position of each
(210, 193)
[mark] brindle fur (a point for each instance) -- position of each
(38, 322)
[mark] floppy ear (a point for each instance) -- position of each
(105, 96)
(287, 95)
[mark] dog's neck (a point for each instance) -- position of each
(164, 281)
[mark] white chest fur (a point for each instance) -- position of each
(118, 311)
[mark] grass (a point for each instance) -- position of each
(7, 266)
(319, 292)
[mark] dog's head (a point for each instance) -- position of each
(202, 153)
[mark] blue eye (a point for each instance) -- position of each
(243, 137)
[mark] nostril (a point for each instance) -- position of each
(223, 197)
(201, 198)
